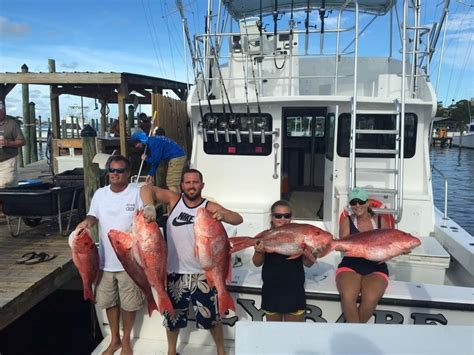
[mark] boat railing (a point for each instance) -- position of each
(445, 213)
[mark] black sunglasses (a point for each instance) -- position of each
(357, 201)
(118, 170)
(282, 215)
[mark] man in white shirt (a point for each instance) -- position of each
(113, 207)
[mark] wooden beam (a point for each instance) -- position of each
(60, 78)
(5, 89)
(121, 95)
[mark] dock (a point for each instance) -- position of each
(23, 286)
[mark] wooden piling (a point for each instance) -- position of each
(130, 119)
(26, 117)
(103, 118)
(54, 102)
(91, 170)
(63, 129)
(33, 140)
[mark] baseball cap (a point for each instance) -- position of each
(139, 136)
(358, 193)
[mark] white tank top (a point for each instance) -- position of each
(180, 239)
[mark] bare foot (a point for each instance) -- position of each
(112, 348)
(126, 348)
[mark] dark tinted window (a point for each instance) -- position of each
(375, 141)
(222, 134)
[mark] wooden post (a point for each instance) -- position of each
(130, 119)
(54, 101)
(91, 170)
(123, 131)
(63, 129)
(103, 118)
(34, 148)
(26, 117)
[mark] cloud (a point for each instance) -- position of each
(12, 29)
(71, 65)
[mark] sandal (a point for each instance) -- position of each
(26, 257)
(39, 258)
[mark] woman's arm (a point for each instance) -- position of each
(344, 229)
(259, 255)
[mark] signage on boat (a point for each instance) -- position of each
(315, 314)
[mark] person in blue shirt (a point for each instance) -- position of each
(160, 148)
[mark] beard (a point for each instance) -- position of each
(193, 195)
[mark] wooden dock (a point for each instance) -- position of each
(23, 286)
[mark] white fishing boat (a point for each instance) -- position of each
(299, 102)
(467, 139)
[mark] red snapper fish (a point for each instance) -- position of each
(213, 251)
(152, 255)
(123, 245)
(292, 239)
(376, 245)
(86, 258)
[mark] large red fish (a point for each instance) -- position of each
(376, 245)
(293, 239)
(152, 255)
(213, 251)
(86, 258)
(123, 245)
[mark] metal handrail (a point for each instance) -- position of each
(445, 214)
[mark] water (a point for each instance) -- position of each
(458, 166)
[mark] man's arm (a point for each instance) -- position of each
(88, 222)
(16, 143)
(151, 194)
(222, 214)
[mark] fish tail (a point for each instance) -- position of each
(151, 304)
(240, 243)
(89, 295)
(164, 304)
(226, 302)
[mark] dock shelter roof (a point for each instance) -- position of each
(95, 85)
(240, 9)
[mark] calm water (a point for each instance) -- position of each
(458, 166)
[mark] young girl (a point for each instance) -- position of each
(283, 294)
(359, 276)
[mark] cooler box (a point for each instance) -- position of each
(425, 264)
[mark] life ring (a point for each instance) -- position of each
(373, 203)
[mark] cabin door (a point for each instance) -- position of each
(303, 160)
(329, 216)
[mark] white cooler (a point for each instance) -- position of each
(426, 263)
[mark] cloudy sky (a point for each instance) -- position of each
(145, 37)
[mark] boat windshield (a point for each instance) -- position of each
(240, 9)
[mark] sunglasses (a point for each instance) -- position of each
(118, 170)
(357, 201)
(282, 215)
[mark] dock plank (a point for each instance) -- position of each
(23, 286)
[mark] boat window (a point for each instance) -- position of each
(301, 126)
(237, 134)
(331, 120)
(375, 141)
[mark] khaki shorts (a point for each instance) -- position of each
(117, 288)
(175, 169)
(9, 173)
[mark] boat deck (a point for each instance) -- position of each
(23, 286)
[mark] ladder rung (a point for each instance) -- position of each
(380, 191)
(377, 151)
(377, 170)
(377, 131)
(384, 210)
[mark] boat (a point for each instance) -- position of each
(465, 139)
(273, 101)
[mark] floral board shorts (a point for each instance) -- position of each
(183, 288)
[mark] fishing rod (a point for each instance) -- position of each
(322, 16)
(275, 26)
(306, 26)
(155, 115)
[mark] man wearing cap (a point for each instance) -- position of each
(160, 148)
(11, 139)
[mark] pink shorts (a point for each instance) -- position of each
(348, 269)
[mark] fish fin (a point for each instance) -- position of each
(228, 277)
(293, 257)
(225, 302)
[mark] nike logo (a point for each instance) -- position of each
(182, 219)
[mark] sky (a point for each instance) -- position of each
(145, 37)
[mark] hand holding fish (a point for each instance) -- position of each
(149, 213)
(259, 247)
